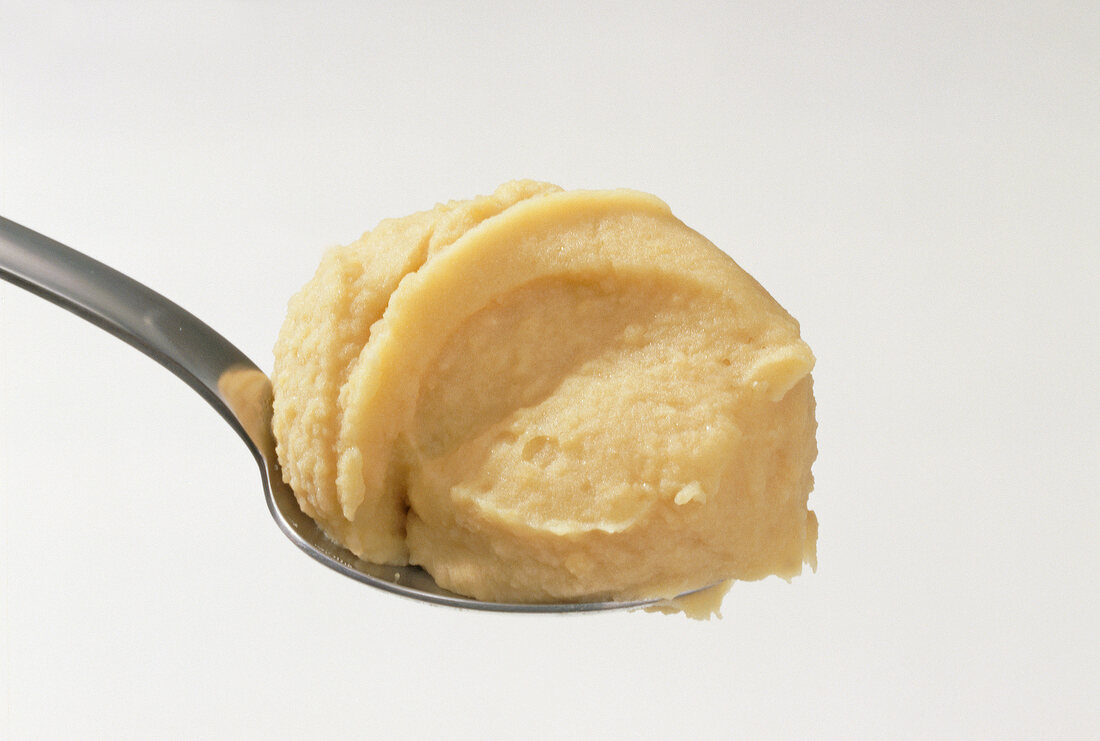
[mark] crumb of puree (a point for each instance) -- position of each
(543, 395)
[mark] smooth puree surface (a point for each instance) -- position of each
(543, 395)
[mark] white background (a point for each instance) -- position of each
(919, 186)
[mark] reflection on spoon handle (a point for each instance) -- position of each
(120, 305)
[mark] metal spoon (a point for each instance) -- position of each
(229, 381)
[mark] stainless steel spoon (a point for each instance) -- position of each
(229, 381)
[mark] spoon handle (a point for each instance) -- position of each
(120, 305)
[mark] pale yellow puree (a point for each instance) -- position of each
(543, 395)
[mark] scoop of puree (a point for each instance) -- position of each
(544, 396)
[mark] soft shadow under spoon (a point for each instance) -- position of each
(229, 381)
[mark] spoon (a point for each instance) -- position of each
(228, 381)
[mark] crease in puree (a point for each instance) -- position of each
(542, 395)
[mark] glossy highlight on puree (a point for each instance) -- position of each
(543, 396)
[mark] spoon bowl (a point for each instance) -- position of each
(229, 382)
